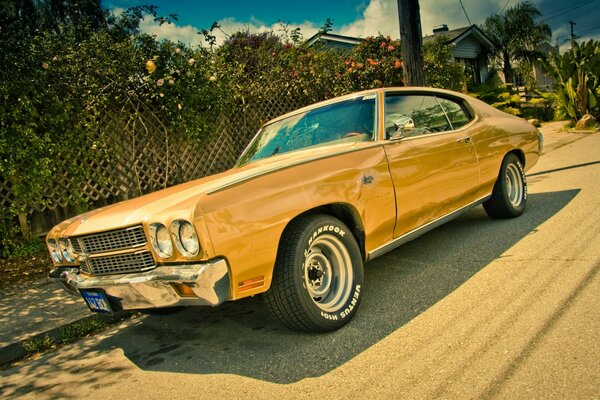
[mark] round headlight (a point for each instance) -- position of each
(67, 249)
(55, 253)
(188, 239)
(162, 241)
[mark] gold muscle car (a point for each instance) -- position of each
(317, 193)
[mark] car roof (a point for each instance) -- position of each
(407, 89)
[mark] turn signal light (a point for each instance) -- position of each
(183, 290)
(251, 283)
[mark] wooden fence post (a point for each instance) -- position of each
(25, 231)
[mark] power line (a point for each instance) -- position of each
(587, 31)
(568, 11)
(561, 9)
(465, 11)
(508, 1)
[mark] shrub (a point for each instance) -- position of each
(440, 69)
(375, 62)
(577, 73)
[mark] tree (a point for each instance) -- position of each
(439, 67)
(577, 75)
(516, 35)
(412, 42)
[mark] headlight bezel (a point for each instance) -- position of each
(67, 250)
(191, 249)
(54, 249)
(162, 247)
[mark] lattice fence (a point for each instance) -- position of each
(144, 156)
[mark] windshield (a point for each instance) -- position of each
(345, 121)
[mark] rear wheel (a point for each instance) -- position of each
(318, 275)
(509, 196)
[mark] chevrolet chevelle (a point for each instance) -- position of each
(316, 194)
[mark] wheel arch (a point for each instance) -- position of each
(520, 155)
(345, 213)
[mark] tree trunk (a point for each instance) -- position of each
(412, 42)
(507, 68)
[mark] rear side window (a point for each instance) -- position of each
(457, 113)
(411, 115)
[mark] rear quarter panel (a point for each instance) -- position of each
(501, 134)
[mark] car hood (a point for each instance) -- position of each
(181, 200)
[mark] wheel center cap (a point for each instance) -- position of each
(315, 273)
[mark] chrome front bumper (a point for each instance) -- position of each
(209, 283)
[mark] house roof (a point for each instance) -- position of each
(331, 37)
(454, 36)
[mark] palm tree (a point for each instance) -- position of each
(516, 35)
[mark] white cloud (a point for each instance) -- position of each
(230, 26)
(186, 34)
(378, 16)
(381, 16)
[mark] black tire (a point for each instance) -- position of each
(509, 196)
(318, 275)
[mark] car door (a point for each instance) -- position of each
(431, 156)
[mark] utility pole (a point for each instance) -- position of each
(411, 41)
(572, 33)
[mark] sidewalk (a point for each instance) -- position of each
(41, 308)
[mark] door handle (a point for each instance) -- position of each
(464, 140)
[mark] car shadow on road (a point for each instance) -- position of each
(242, 338)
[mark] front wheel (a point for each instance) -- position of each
(318, 275)
(509, 195)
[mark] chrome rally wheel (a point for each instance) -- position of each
(318, 275)
(509, 195)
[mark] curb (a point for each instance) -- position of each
(15, 351)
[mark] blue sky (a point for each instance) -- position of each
(352, 17)
(204, 13)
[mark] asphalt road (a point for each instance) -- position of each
(475, 309)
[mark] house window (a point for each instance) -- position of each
(472, 69)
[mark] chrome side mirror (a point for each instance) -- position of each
(402, 125)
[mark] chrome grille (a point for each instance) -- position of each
(76, 246)
(119, 239)
(119, 263)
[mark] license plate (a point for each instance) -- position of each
(96, 301)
